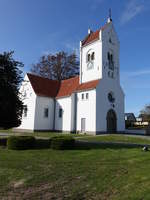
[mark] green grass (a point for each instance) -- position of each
(117, 138)
(101, 138)
(112, 173)
(38, 134)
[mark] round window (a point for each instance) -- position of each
(111, 97)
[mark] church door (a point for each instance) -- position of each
(111, 121)
(83, 120)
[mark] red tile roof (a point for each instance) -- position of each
(67, 87)
(52, 88)
(87, 85)
(93, 36)
(43, 86)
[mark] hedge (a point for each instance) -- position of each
(62, 142)
(3, 141)
(21, 142)
(42, 143)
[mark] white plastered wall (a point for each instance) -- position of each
(63, 123)
(103, 105)
(87, 109)
(87, 75)
(29, 100)
(41, 122)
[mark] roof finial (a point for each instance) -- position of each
(110, 15)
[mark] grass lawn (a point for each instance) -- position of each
(101, 173)
(117, 138)
(37, 134)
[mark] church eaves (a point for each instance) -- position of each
(55, 89)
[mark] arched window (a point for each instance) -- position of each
(88, 57)
(108, 56)
(110, 61)
(92, 56)
(111, 58)
(111, 97)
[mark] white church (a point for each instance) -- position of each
(92, 102)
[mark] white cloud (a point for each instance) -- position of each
(139, 73)
(133, 8)
(131, 74)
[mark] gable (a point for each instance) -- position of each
(93, 36)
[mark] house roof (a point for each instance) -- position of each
(130, 116)
(93, 36)
(52, 88)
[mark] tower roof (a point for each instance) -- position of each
(93, 36)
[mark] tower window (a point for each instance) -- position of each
(46, 112)
(111, 97)
(110, 61)
(88, 57)
(93, 56)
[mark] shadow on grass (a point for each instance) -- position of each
(82, 145)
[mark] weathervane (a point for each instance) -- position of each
(110, 14)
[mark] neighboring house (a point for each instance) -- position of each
(130, 117)
(129, 120)
(141, 122)
(92, 102)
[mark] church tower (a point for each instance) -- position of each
(99, 54)
(99, 60)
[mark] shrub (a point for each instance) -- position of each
(3, 141)
(21, 142)
(42, 143)
(62, 142)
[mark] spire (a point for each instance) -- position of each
(110, 17)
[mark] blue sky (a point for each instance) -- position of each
(35, 27)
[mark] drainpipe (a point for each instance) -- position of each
(54, 114)
(75, 112)
(80, 62)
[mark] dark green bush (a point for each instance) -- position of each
(42, 143)
(62, 142)
(3, 141)
(21, 142)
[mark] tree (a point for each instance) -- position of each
(10, 104)
(145, 113)
(57, 67)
